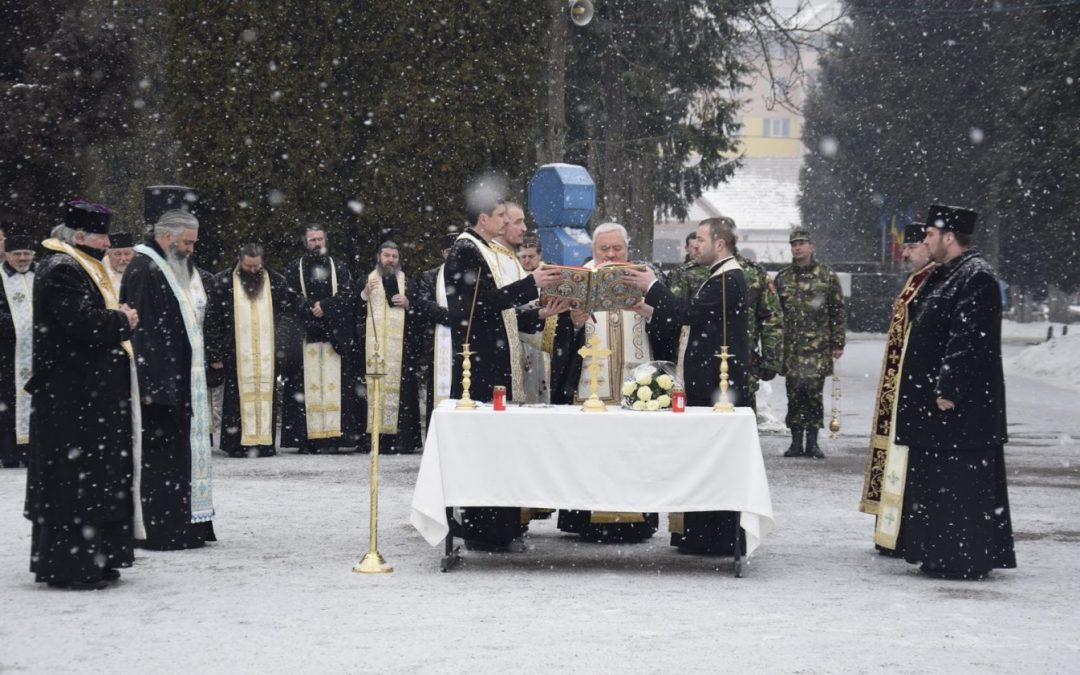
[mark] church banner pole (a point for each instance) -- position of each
(373, 562)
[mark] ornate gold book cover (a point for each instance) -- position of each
(595, 290)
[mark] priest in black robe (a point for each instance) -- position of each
(320, 408)
(79, 482)
(483, 312)
(951, 412)
(249, 306)
(176, 488)
(383, 311)
(16, 347)
(715, 316)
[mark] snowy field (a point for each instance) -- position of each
(275, 594)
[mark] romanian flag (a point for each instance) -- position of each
(896, 238)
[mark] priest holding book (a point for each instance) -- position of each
(716, 316)
(483, 314)
(633, 338)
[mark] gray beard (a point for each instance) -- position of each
(388, 271)
(179, 267)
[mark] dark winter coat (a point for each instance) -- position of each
(162, 349)
(954, 352)
(704, 314)
(80, 428)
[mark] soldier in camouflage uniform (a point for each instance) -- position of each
(814, 323)
(685, 280)
(766, 321)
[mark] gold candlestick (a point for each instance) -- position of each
(594, 352)
(723, 405)
(466, 402)
(373, 562)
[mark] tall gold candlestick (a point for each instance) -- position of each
(466, 402)
(373, 562)
(724, 404)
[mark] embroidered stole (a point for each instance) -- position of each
(19, 290)
(254, 335)
(202, 498)
(623, 332)
(443, 369)
(886, 466)
(95, 269)
(509, 316)
(385, 331)
(322, 377)
(684, 335)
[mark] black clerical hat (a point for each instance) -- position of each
(88, 217)
(157, 199)
(121, 240)
(914, 233)
(952, 219)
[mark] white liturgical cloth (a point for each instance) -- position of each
(619, 460)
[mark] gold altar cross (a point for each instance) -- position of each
(594, 352)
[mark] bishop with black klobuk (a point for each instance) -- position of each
(715, 316)
(176, 485)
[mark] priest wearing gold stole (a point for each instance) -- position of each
(483, 312)
(248, 306)
(633, 338)
(388, 321)
(886, 465)
(79, 494)
(715, 316)
(320, 408)
(16, 348)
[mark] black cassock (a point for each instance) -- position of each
(433, 314)
(221, 347)
(710, 531)
(956, 502)
(347, 313)
(163, 358)
(11, 453)
(490, 363)
(78, 488)
(317, 283)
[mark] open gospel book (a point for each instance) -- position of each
(594, 290)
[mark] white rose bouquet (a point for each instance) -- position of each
(649, 386)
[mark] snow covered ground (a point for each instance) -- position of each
(276, 593)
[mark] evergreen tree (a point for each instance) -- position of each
(67, 78)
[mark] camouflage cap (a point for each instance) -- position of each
(799, 234)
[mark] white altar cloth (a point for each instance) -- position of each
(619, 460)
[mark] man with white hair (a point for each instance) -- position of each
(118, 257)
(633, 339)
(16, 348)
(175, 486)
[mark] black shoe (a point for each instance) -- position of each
(796, 449)
(954, 575)
(514, 546)
(111, 574)
(812, 447)
(98, 585)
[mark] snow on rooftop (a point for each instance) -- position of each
(763, 194)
